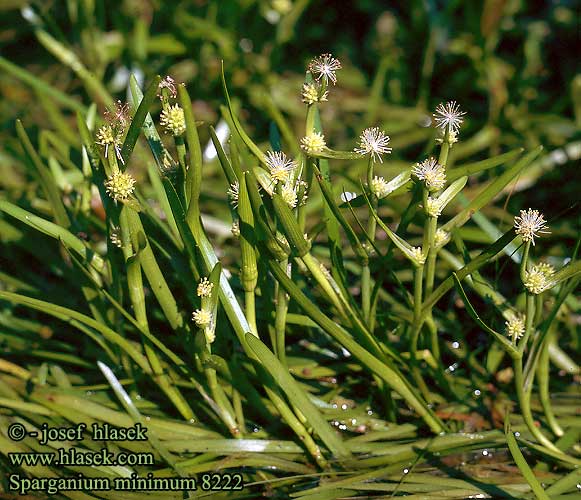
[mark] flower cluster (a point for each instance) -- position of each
(325, 67)
(204, 288)
(515, 328)
(202, 317)
(431, 173)
(279, 166)
(374, 142)
(539, 278)
(111, 134)
(120, 185)
(313, 143)
(313, 92)
(449, 116)
(233, 193)
(173, 120)
(530, 225)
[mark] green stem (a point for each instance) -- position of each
(226, 410)
(524, 265)
(250, 310)
(280, 316)
(416, 326)
(432, 251)
(524, 398)
(543, 381)
(366, 285)
(416, 329)
(323, 282)
(295, 424)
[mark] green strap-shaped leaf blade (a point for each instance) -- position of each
(522, 463)
(297, 397)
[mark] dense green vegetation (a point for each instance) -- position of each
(364, 288)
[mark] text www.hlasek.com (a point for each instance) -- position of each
(73, 456)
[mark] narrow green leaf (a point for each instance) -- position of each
(66, 314)
(490, 191)
(349, 232)
(485, 256)
(389, 374)
(243, 135)
(222, 158)
(508, 346)
(46, 179)
(54, 231)
(130, 407)
(521, 463)
(331, 154)
(139, 118)
(194, 173)
(297, 397)
(291, 228)
(41, 86)
(480, 166)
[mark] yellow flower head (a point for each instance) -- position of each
(120, 185)
(313, 143)
(173, 120)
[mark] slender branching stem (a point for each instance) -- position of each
(280, 316)
(366, 283)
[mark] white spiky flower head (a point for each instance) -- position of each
(202, 317)
(120, 185)
(530, 224)
(431, 173)
(173, 120)
(233, 193)
(289, 195)
(313, 143)
(325, 66)
(279, 165)
(449, 115)
(204, 287)
(379, 187)
(374, 142)
(312, 93)
(539, 278)
(515, 328)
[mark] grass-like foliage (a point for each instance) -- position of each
(347, 337)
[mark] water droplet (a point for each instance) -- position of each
(369, 412)
(517, 434)
(485, 453)
(334, 406)
(406, 471)
(148, 418)
(579, 486)
(343, 406)
(455, 345)
(138, 397)
(477, 392)
(256, 429)
(192, 421)
(353, 421)
(343, 427)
